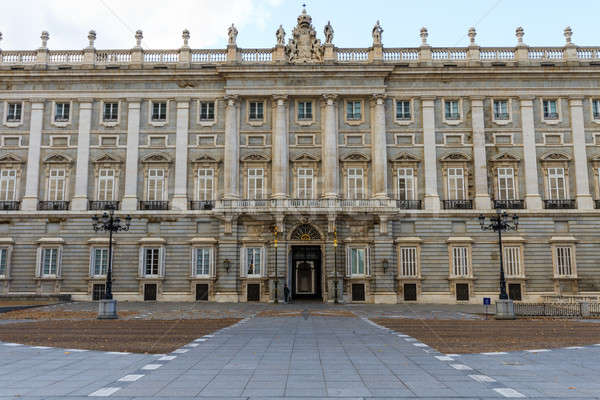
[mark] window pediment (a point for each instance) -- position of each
(595, 158)
(555, 156)
(505, 157)
(205, 158)
(107, 158)
(156, 158)
(455, 157)
(405, 157)
(58, 159)
(256, 157)
(355, 157)
(10, 159)
(306, 157)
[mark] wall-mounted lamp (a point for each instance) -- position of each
(227, 264)
(385, 265)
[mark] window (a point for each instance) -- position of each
(106, 184)
(99, 261)
(501, 110)
(202, 261)
(3, 262)
(152, 261)
(8, 184)
(358, 261)
(564, 261)
(205, 183)
(254, 256)
(353, 110)
(61, 112)
(207, 111)
(50, 261)
(408, 262)
(159, 111)
(506, 184)
(403, 110)
(556, 184)
(596, 108)
(156, 184)
(305, 183)
(255, 111)
(355, 183)
(255, 183)
(512, 261)
(550, 109)
(460, 261)
(110, 112)
(305, 110)
(14, 111)
(56, 185)
(405, 184)
(451, 109)
(456, 184)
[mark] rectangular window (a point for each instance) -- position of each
(305, 110)
(156, 184)
(512, 261)
(406, 184)
(151, 261)
(506, 184)
(56, 185)
(49, 261)
(451, 109)
(106, 184)
(353, 110)
(596, 108)
(14, 112)
(403, 110)
(408, 262)
(460, 261)
(355, 183)
(501, 110)
(205, 184)
(202, 261)
(61, 112)
(207, 111)
(556, 184)
(99, 261)
(358, 261)
(111, 112)
(256, 183)
(456, 184)
(159, 111)
(253, 261)
(255, 111)
(305, 183)
(8, 184)
(3, 262)
(550, 109)
(564, 264)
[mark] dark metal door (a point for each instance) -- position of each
(202, 291)
(253, 290)
(358, 292)
(514, 291)
(462, 291)
(150, 292)
(410, 292)
(306, 272)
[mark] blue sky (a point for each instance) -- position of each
(68, 21)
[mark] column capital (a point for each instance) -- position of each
(133, 100)
(378, 98)
(183, 100)
(183, 104)
(526, 101)
(576, 101)
(477, 101)
(231, 99)
(279, 99)
(330, 98)
(85, 100)
(37, 104)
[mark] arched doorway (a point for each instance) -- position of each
(306, 263)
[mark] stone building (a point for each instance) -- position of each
(305, 163)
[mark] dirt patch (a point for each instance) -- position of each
(299, 313)
(477, 336)
(136, 336)
(37, 314)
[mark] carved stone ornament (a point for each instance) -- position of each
(328, 31)
(232, 33)
(376, 33)
(305, 232)
(280, 34)
(303, 46)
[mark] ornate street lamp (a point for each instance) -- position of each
(500, 223)
(108, 222)
(276, 275)
(335, 282)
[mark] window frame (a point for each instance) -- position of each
(13, 178)
(411, 114)
(302, 118)
(350, 258)
(203, 119)
(509, 260)
(158, 122)
(352, 120)
(205, 178)
(41, 260)
(414, 259)
(211, 262)
(6, 248)
(595, 103)
(400, 176)
(445, 117)
(451, 178)
(354, 193)
(565, 187)
(556, 257)
(62, 122)
(303, 177)
(244, 268)
(93, 264)
(545, 117)
(13, 123)
(161, 261)
(499, 178)
(163, 180)
(64, 191)
(499, 121)
(465, 249)
(114, 183)
(255, 179)
(255, 120)
(109, 122)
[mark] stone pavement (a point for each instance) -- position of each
(299, 357)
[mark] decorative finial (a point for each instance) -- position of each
(424, 35)
(45, 37)
(139, 35)
(91, 37)
(376, 33)
(232, 32)
(568, 34)
(472, 34)
(519, 33)
(185, 35)
(304, 8)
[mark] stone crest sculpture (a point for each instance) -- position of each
(377, 31)
(303, 46)
(232, 32)
(280, 34)
(328, 31)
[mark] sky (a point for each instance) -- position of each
(115, 21)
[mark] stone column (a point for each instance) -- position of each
(231, 164)
(180, 200)
(130, 199)
(330, 149)
(532, 193)
(379, 149)
(279, 149)
(583, 196)
(30, 200)
(431, 197)
(482, 196)
(80, 199)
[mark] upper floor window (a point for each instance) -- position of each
(357, 261)
(596, 108)
(207, 111)
(406, 189)
(460, 261)
(99, 261)
(550, 109)
(61, 112)
(305, 183)
(451, 110)
(556, 184)
(456, 184)
(8, 184)
(506, 184)
(159, 111)
(156, 184)
(501, 110)
(50, 260)
(202, 261)
(13, 112)
(106, 184)
(253, 259)
(353, 110)
(205, 183)
(355, 183)
(110, 112)
(403, 110)
(256, 180)
(56, 185)
(256, 110)
(512, 263)
(3, 262)
(305, 110)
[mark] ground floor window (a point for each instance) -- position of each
(358, 261)
(462, 291)
(152, 261)
(50, 260)
(99, 261)
(3, 262)
(253, 261)
(98, 291)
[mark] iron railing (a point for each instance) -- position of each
(154, 205)
(53, 205)
(202, 205)
(510, 204)
(104, 205)
(408, 204)
(564, 204)
(458, 204)
(9, 205)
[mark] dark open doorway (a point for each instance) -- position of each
(306, 272)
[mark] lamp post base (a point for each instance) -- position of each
(107, 309)
(505, 309)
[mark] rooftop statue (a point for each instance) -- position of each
(280, 34)
(377, 31)
(328, 31)
(303, 46)
(232, 32)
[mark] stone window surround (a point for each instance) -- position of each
(564, 241)
(507, 134)
(256, 122)
(462, 139)
(354, 122)
(311, 135)
(61, 124)
(405, 160)
(110, 124)
(558, 110)
(305, 122)
(305, 160)
(594, 120)
(248, 136)
(353, 161)
(203, 122)
(362, 139)
(559, 134)
(409, 241)
(54, 137)
(412, 111)
(203, 242)
(409, 135)
(13, 124)
(213, 137)
(204, 162)
(46, 243)
(515, 241)
(149, 141)
(11, 161)
(463, 163)
(460, 111)
(150, 106)
(508, 107)
(257, 161)
(453, 279)
(102, 137)
(7, 243)
(19, 138)
(107, 161)
(505, 160)
(547, 163)
(58, 161)
(157, 161)
(152, 243)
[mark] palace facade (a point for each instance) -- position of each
(306, 164)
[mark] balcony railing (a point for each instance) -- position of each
(597, 203)
(510, 204)
(452, 117)
(53, 205)
(559, 204)
(103, 205)
(501, 116)
(408, 204)
(202, 205)
(154, 205)
(458, 204)
(551, 115)
(9, 205)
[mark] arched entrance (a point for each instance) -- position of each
(305, 277)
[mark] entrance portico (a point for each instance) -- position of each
(306, 275)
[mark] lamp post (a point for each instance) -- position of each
(500, 223)
(335, 282)
(108, 222)
(276, 277)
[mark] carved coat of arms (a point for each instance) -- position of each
(303, 46)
